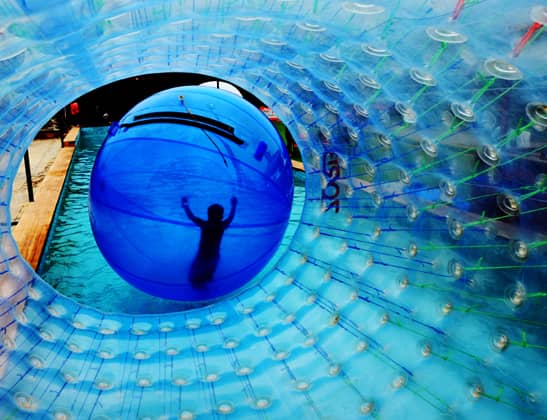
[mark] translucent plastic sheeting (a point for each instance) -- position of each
(415, 284)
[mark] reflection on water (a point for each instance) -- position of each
(73, 264)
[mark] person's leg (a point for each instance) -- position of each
(202, 270)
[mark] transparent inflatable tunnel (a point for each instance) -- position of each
(415, 285)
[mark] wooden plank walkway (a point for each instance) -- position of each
(299, 166)
(71, 136)
(32, 230)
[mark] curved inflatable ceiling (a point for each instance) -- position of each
(415, 284)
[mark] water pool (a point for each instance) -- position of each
(74, 265)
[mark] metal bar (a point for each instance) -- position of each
(29, 177)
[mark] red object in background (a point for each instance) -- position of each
(269, 113)
(74, 108)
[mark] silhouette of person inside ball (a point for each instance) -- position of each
(206, 261)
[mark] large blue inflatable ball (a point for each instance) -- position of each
(190, 193)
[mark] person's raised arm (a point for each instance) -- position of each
(189, 214)
(230, 217)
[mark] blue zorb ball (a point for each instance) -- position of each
(190, 193)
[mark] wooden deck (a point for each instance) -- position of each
(299, 166)
(32, 230)
(71, 136)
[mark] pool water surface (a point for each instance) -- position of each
(73, 264)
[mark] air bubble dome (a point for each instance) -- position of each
(414, 286)
(205, 146)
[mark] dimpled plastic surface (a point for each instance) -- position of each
(205, 145)
(415, 284)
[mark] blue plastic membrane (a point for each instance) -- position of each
(172, 159)
(414, 286)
